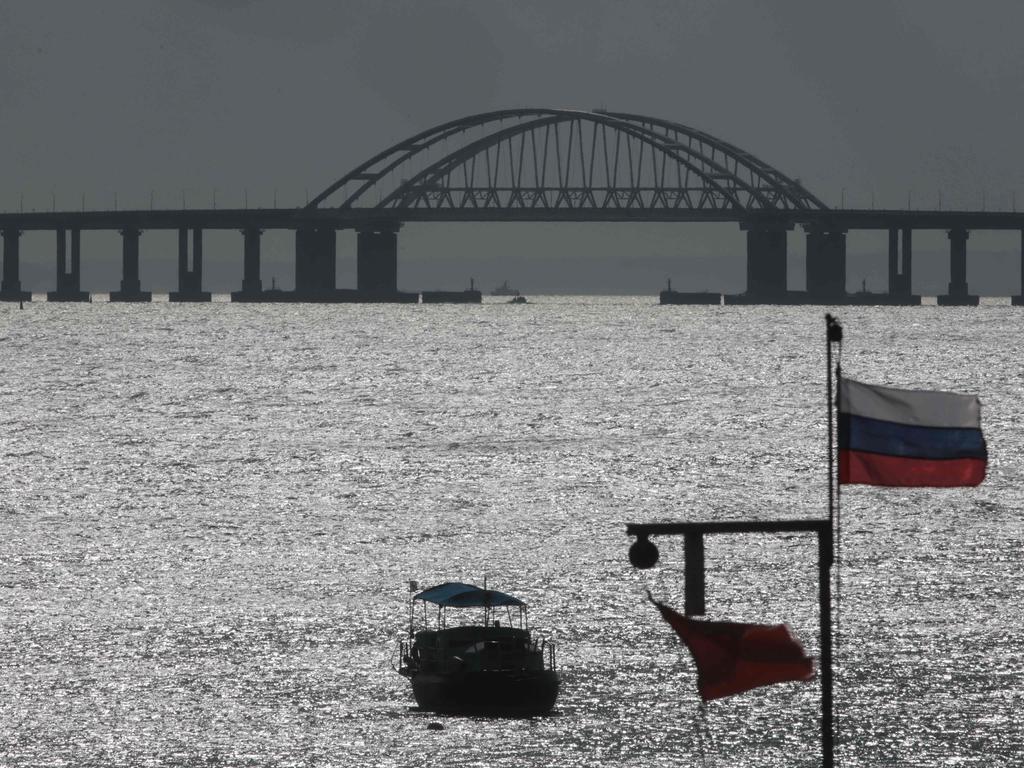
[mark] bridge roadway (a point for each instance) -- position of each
(357, 218)
(377, 230)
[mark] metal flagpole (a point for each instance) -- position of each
(833, 335)
(825, 609)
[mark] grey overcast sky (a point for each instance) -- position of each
(877, 100)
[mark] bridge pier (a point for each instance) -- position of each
(131, 289)
(900, 268)
(69, 281)
(906, 272)
(315, 263)
(10, 285)
(766, 266)
(377, 265)
(958, 295)
(895, 273)
(252, 285)
(190, 275)
(826, 266)
(377, 260)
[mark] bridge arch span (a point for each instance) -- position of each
(552, 160)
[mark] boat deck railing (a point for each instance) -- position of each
(492, 655)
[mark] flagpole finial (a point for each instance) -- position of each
(835, 330)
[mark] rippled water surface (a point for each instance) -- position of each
(208, 515)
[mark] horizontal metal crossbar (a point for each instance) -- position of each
(728, 526)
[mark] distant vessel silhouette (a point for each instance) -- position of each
(668, 296)
(478, 669)
(504, 290)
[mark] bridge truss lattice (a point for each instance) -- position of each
(551, 160)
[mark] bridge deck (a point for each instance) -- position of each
(293, 218)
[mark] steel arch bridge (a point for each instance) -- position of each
(535, 163)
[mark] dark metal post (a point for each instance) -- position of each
(693, 570)
(833, 335)
(825, 609)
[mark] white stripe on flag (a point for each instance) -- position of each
(916, 407)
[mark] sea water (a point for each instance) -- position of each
(209, 515)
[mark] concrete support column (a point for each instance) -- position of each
(377, 260)
(826, 265)
(10, 284)
(899, 268)
(304, 261)
(315, 263)
(182, 258)
(69, 272)
(190, 270)
(894, 261)
(251, 282)
(131, 289)
(906, 262)
(130, 261)
(815, 240)
(76, 259)
(1018, 300)
(62, 259)
(766, 263)
(958, 262)
(252, 285)
(196, 271)
(957, 294)
(12, 242)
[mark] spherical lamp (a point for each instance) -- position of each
(642, 553)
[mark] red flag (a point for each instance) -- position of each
(732, 658)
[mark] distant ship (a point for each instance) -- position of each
(504, 290)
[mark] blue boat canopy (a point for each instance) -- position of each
(457, 595)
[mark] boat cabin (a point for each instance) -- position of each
(493, 634)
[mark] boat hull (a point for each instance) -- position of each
(487, 692)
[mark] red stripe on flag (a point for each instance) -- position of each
(856, 467)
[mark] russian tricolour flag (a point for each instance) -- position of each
(904, 437)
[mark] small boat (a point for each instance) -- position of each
(504, 290)
(518, 300)
(491, 668)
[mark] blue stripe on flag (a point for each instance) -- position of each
(858, 433)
